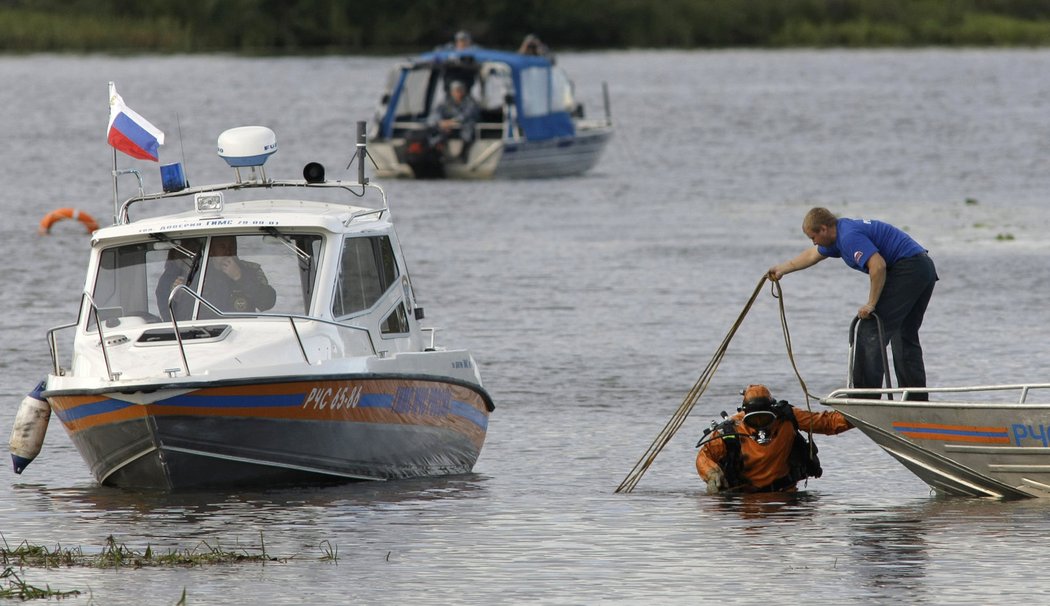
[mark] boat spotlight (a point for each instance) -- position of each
(208, 205)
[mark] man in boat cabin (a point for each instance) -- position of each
(233, 284)
(456, 116)
(901, 276)
(761, 449)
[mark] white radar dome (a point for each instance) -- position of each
(247, 145)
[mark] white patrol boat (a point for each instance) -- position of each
(263, 340)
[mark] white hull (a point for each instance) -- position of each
(507, 158)
(253, 340)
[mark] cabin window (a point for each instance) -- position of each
(367, 269)
(396, 322)
(412, 103)
(535, 91)
(126, 285)
(275, 273)
(561, 92)
(272, 273)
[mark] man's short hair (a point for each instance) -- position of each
(816, 217)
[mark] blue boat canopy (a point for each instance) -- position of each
(540, 93)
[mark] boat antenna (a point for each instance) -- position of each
(182, 150)
(361, 152)
(605, 97)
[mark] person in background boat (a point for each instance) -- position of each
(233, 284)
(455, 116)
(462, 40)
(461, 65)
(761, 449)
(901, 275)
(532, 45)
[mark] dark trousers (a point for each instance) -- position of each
(901, 307)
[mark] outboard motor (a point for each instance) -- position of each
(425, 154)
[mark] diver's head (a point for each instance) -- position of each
(758, 410)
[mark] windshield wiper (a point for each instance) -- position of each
(305, 256)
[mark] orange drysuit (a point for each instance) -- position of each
(763, 464)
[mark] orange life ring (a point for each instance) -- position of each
(67, 213)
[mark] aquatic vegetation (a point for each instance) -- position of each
(329, 552)
(115, 554)
(12, 586)
(119, 555)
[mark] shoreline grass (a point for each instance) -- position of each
(14, 561)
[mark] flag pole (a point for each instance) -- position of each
(112, 91)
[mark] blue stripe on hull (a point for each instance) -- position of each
(375, 401)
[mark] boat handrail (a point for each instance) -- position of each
(290, 317)
(856, 393)
(123, 216)
(364, 213)
(53, 344)
(410, 125)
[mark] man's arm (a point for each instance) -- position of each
(877, 275)
(256, 286)
(807, 258)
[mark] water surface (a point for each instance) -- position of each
(591, 304)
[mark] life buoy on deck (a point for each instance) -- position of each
(67, 213)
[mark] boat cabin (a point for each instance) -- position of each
(275, 273)
(519, 96)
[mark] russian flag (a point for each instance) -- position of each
(130, 132)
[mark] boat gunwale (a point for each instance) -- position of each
(851, 396)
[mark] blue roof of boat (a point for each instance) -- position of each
(516, 61)
(536, 127)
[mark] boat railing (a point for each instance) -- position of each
(222, 314)
(313, 177)
(356, 189)
(906, 393)
(94, 310)
(53, 342)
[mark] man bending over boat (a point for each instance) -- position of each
(901, 277)
(233, 284)
(455, 116)
(761, 448)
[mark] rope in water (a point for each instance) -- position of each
(691, 398)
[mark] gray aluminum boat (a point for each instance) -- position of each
(980, 441)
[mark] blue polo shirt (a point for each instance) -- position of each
(856, 240)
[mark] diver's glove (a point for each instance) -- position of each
(716, 480)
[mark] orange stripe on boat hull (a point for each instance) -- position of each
(953, 433)
(382, 401)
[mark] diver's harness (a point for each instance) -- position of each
(802, 462)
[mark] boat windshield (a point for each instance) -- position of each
(241, 273)
(415, 94)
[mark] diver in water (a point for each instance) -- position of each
(761, 449)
